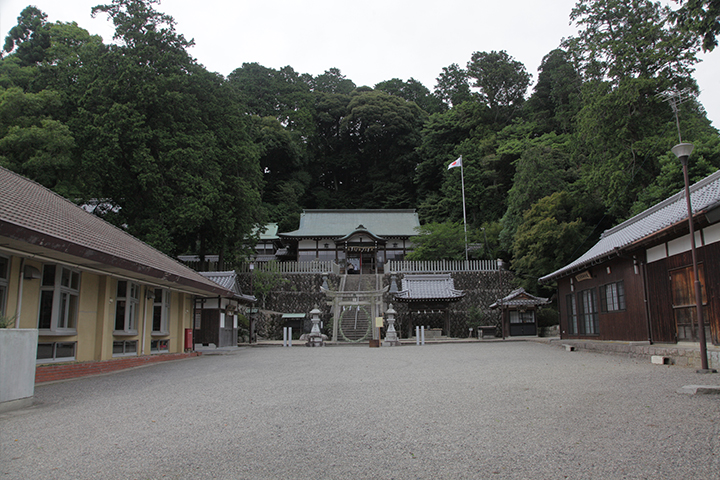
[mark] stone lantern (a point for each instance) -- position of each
(391, 338)
(315, 338)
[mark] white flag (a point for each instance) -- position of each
(456, 163)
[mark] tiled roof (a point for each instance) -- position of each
(520, 298)
(41, 221)
(704, 194)
(338, 223)
(428, 287)
(228, 280)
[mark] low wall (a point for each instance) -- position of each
(64, 371)
(18, 351)
(682, 356)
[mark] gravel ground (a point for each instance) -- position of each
(482, 411)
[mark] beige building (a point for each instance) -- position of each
(93, 291)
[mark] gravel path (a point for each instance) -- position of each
(478, 411)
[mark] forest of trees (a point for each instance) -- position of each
(190, 161)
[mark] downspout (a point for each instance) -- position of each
(18, 306)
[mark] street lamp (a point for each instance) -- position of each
(683, 151)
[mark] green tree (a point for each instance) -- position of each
(556, 97)
(441, 241)
(630, 39)
(412, 91)
(502, 82)
(548, 238)
(701, 17)
(453, 86)
(29, 39)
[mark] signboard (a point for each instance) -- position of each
(379, 322)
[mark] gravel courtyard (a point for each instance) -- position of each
(478, 411)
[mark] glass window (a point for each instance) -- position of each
(517, 316)
(127, 305)
(161, 307)
(159, 346)
(59, 299)
(572, 314)
(124, 347)
(612, 297)
(56, 351)
(588, 312)
(4, 274)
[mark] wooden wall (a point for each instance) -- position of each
(628, 325)
(660, 293)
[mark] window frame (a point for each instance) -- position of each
(125, 350)
(588, 317)
(64, 303)
(619, 303)
(4, 283)
(161, 307)
(572, 313)
(54, 358)
(130, 304)
(160, 346)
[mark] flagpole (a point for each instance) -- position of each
(462, 179)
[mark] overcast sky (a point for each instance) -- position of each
(369, 41)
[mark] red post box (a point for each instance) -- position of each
(188, 339)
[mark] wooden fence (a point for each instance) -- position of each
(441, 266)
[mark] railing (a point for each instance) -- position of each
(441, 266)
(319, 266)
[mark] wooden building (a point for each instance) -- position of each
(216, 318)
(636, 283)
(518, 313)
(423, 293)
(365, 239)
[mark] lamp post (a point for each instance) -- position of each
(683, 151)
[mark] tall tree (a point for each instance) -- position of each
(702, 17)
(630, 39)
(502, 82)
(453, 86)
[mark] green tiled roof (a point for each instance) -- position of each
(338, 223)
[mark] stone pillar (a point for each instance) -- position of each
(391, 338)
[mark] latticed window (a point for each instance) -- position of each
(612, 297)
(588, 312)
(572, 314)
(127, 304)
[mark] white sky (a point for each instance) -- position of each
(369, 41)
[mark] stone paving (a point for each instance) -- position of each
(519, 409)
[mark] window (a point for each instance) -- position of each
(56, 352)
(159, 346)
(161, 307)
(123, 348)
(572, 314)
(682, 282)
(59, 292)
(588, 312)
(127, 304)
(612, 297)
(517, 316)
(4, 274)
